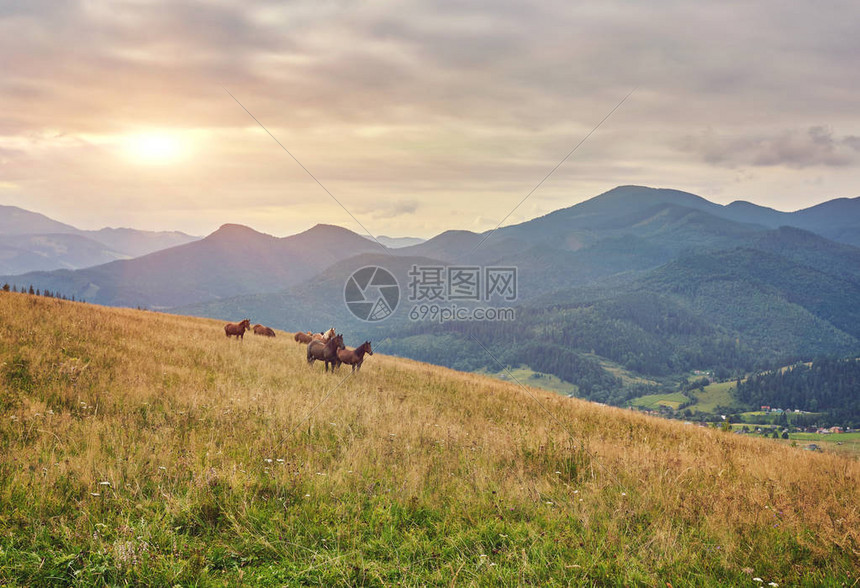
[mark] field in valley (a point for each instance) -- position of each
(147, 449)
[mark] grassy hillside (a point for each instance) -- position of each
(148, 449)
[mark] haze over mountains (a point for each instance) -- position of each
(31, 241)
(649, 281)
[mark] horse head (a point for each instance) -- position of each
(367, 348)
(338, 339)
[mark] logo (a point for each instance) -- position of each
(371, 293)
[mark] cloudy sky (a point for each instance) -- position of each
(418, 115)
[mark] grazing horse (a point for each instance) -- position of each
(326, 352)
(327, 335)
(238, 331)
(303, 337)
(264, 331)
(354, 357)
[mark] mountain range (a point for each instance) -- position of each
(651, 283)
(30, 241)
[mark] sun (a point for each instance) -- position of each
(155, 148)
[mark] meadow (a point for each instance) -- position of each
(139, 448)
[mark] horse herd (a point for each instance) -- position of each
(326, 346)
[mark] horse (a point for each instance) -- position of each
(264, 331)
(303, 337)
(354, 357)
(327, 335)
(326, 352)
(238, 331)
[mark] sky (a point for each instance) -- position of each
(417, 116)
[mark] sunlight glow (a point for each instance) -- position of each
(155, 148)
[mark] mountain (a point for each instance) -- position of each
(134, 243)
(48, 251)
(837, 220)
(30, 241)
(395, 242)
(231, 261)
(17, 221)
(318, 303)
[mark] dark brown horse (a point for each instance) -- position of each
(354, 357)
(238, 331)
(303, 337)
(325, 351)
(264, 331)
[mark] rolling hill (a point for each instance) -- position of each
(145, 448)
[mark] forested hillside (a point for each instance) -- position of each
(831, 386)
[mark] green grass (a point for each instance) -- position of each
(139, 448)
(714, 395)
(528, 377)
(655, 401)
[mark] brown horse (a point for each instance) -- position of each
(326, 352)
(354, 357)
(238, 331)
(264, 331)
(327, 335)
(303, 337)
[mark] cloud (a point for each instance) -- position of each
(387, 209)
(814, 147)
(432, 106)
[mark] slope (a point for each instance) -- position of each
(146, 448)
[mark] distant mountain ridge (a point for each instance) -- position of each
(232, 261)
(30, 241)
(395, 242)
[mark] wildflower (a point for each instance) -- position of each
(268, 460)
(307, 495)
(548, 502)
(104, 483)
(757, 579)
(94, 494)
(557, 472)
(624, 494)
(162, 468)
(280, 460)
(774, 584)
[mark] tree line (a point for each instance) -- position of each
(827, 385)
(37, 292)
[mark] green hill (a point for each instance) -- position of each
(143, 448)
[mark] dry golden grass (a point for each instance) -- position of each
(142, 421)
